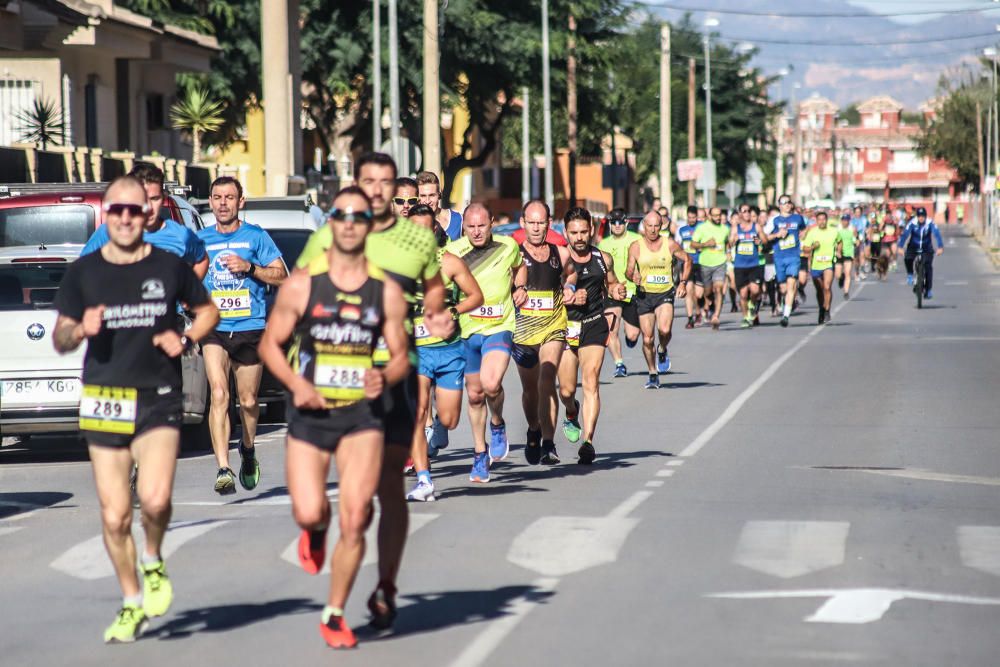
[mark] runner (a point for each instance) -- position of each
(694, 290)
(406, 198)
(587, 331)
(540, 332)
(859, 221)
(891, 228)
(449, 222)
(710, 240)
(749, 274)
(496, 264)
(879, 263)
(242, 260)
(334, 318)
(616, 245)
(844, 268)
(651, 266)
(442, 363)
(821, 244)
(767, 253)
(785, 229)
(123, 301)
(406, 253)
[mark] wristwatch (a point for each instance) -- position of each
(252, 270)
(187, 343)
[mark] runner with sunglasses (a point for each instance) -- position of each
(122, 300)
(405, 197)
(622, 311)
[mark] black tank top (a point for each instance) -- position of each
(334, 340)
(544, 275)
(591, 275)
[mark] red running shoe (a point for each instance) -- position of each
(311, 559)
(336, 633)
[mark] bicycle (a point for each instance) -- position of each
(919, 278)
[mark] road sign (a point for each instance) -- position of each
(732, 190)
(689, 170)
(706, 180)
(754, 178)
(410, 157)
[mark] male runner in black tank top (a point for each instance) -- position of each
(337, 317)
(540, 332)
(123, 300)
(587, 330)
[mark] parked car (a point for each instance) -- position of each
(292, 212)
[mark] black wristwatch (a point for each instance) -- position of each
(187, 343)
(252, 270)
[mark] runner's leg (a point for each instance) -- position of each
(217, 367)
(112, 466)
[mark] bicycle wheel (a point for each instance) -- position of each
(918, 283)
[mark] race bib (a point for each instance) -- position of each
(890, 230)
(629, 291)
(488, 313)
(341, 378)
(658, 279)
(421, 334)
(232, 303)
(824, 258)
(787, 243)
(745, 248)
(381, 354)
(573, 332)
(108, 409)
(539, 304)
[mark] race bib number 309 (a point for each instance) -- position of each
(108, 409)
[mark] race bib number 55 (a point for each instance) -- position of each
(538, 304)
(108, 409)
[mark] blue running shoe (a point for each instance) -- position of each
(499, 447)
(439, 435)
(929, 295)
(653, 382)
(480, 469)
(662, 361)
(909, 278)
(621, 371)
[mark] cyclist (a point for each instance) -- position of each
(917, 239)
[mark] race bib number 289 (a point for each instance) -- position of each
(108, 409)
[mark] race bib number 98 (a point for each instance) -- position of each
(488, 313)
(108, 409)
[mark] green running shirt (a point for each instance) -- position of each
(618, 247)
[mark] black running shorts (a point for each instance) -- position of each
(241, 346)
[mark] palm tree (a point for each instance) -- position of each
(42, 124)
(197, 114)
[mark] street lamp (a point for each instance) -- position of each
(709, 23)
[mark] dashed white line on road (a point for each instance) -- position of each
(665, 473)
(675, 463)
(655, 484)
(731, 411)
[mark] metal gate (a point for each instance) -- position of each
(17, 96)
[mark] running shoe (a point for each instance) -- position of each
(225, 482)
(549, 455)
(620, 371)
(432, 451)
(423, 492)
(756, 320)
(715, 324)
(249, 468)
(499, 446)
(784, 321)
(130, 622)
(822, 315)
(336, 632)
(746, 323)
(909, 279)
(571, 427)
(312, 550)
(653, 382)
(586, 453)
(662, 363)
(480, 469)
(382, 606)
(408, 468)
(157, 592)
(929, 295)
(690, 323)
(133, 480)
(439, 438)
(533, 449)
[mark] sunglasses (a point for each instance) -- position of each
(784, 201)
(410, 201)
(350, 215)
(617, 222)
(135, 210)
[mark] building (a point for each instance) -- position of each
(108, 71)
(875, 160)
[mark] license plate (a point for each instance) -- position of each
(35, 392)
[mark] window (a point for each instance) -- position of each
(16, 97)
(30, 286)
(154, 112)
(48, 225)
(874, 155)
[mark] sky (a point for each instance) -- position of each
(875, 51)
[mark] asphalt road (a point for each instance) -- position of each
(810, 495)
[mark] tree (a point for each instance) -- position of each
(42, 124)
(197, 114)
(951, 136)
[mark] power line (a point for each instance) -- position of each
(842, 15)
(749, 64)
(954, 38)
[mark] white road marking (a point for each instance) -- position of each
(655, 484)
(967, 339)
(956, 283)
(706, 436)
(855, 605)
(930, 476)
(88, 559)
(7, 530)
(417, 521)
(789, 549)
(488, 640)
(675, 463)
(665, 473)
(980, 548)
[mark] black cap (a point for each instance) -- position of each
(844, 216)
(922, 211)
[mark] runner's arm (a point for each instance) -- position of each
(632, 263)
(460, 274)
(289, 306)
(200, 268)
(394, 332)
(569, 278)
(937, 237)
(519, 285)
(615, 287)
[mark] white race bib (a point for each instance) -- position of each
(488, 313)
(108, 409)
(232, 303)
(787, 243)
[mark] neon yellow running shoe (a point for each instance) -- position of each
(128, 625)
(157, 593)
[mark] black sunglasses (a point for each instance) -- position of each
(410, 201)
(135, 210)
(350, 215)
(617, 222)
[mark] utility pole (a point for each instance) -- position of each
(432, 91)
(833, 154)
(546, 109)
(278, 110)
(525, 148)
(394, 80)
(691, 124)
(571, 104)
(666, 177)
(979, 145)
(709, 23)
(376, 75)
(798, 148)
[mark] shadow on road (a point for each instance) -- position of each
(689, 385)
(427, 612)
(12, 504)
(229, 617)
(514, 472)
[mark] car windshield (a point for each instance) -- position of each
(46, 225)
(30, 285)
(290, 242)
